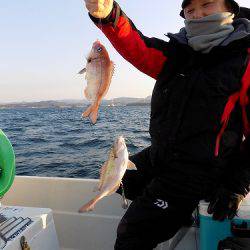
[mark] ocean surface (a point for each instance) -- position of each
(58, 142)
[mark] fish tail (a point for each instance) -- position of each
(94, 113)
(87, 112)
(88, 206)
(91, 204)
(86, 93)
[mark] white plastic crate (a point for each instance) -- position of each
(35, 224)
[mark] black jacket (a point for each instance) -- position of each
(188, 100)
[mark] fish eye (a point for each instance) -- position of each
(99, 49)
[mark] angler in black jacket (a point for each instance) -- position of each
(198, 118)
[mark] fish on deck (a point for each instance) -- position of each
(99, 71)
(111, 174)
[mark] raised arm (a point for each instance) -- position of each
(147, 54)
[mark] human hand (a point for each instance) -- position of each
(224, 204)
(99, 8)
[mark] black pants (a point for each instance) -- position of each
(150, 219)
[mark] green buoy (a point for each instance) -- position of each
(7, 164)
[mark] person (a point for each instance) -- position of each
(197, 122)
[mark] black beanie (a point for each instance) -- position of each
(244, 13)
(235, 6)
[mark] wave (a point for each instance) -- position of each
(58, 142)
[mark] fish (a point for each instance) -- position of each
(98, 74)
(111, 174)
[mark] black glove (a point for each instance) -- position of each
(234, 244)
(224, 204)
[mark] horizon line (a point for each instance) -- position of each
(69, 99)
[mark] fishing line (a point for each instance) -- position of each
(100, 25)
(101, 28)
(115, 128)
(97, 70)
(99, 65)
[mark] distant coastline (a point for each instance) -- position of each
(120, 101)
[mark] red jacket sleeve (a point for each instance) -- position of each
(147, 54)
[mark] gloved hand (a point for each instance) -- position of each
(224, 204)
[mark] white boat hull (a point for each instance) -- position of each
(90, 231)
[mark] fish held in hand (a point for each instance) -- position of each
(98, 74)
(111, 174)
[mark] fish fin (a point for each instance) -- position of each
(94, 113)
(88, 206)
(82, 71)
(91, 204)
(114, 189)
(86, 94)
(112, 68)
(102, 173)
(105, 83)
(131, 166)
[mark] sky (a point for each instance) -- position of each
(43, 45)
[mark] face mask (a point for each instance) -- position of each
(205, 33)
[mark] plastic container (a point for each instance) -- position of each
(211, 231)
(7, 164)
(33, 225)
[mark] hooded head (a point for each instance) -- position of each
(194, 9)
(244, 13)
